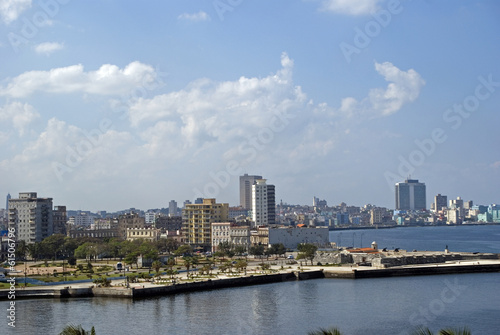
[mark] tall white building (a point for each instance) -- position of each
(246, 183)
(263, 203)
(31, 217)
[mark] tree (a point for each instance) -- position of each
(76, 330)
(239, 250)
(188, 261)
(257, 250)
(324, 331)
(241, 265)
(131, 258)
(157, 265)
(307, 251)
(446, 331)
(183, 250)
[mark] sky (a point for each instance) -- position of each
(112, 104)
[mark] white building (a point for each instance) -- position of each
(150, 217)
(240, 236)
(83, 220)
(151, 234)
(263, 203)
(31, 217)
(220, 233)
(291, 237)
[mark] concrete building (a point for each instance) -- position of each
(440, 202)
(149, 218)
(149, 234)
(235, 212)
(260, 236)
(246, 183)
(60, 219)
(410, 195)
(197, 220)
(168, 223)
(83, 220)
(129, 220)
(172, 208)
(240, 236)
(7, 202)
(220, 234)
(31, 216)
(453, 216)
(263, 203)
(376, 215)
(291, 237)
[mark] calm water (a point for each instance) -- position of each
(458, 238)
(371, 306)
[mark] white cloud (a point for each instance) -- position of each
(19, 115)
(107, 80)
(48, 47)
(11, 9)
(351, 7)
(195, 17)
(403, 87)
(262, 124)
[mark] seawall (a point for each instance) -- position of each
(436, 269)
(139, 292)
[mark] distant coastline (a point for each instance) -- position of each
(412, 226)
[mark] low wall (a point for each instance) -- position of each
(413, 271)
(212, 285)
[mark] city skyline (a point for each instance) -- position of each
(120, 105)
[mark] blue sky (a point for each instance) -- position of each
(106, 105)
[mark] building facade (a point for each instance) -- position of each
(440, 202)
(60, 219)
(246, 183)
(410, 195)
(220, 234)
(197, 220)
(32, 217)
(263, 203)
(129, 220)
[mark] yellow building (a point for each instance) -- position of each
(197, 220)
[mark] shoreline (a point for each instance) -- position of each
(147, 290)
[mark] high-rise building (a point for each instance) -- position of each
(7, 202)
(197, 220)
(410, 195)
(59, 218)
(263, 203)
(172, 208)
(440, 202)
(31, 217)
(246, 183)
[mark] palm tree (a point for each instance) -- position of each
(76, 330)
(157, 265)
(324, 331)
(188, 261)
(446, 331)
